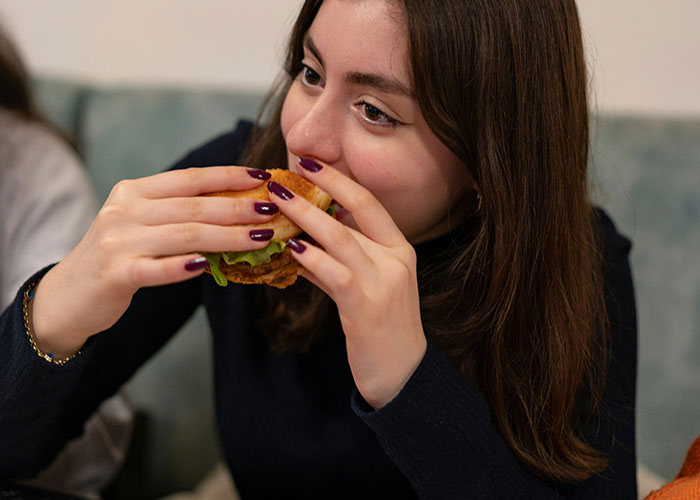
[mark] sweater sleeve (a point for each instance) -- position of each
(438, 430)
(32, 390)
(43, 405)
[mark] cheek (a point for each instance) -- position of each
(397, 171)
(413, 183)
(373, 163)
(391, 173)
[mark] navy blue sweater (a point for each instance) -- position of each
(293, 425)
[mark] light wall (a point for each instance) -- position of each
(182, 42)
(644, 54)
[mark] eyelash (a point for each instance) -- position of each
(305, 70)
(387, 121)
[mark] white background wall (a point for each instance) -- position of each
(644, 54)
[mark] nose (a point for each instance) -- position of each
(317, 130)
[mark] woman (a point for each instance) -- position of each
(452, 338)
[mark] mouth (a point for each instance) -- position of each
(342, 214)
(293, 167)
(339, 210)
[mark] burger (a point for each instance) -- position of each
(273, 265)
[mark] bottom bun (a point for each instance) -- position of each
(280, 272)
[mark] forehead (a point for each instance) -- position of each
(362, 35)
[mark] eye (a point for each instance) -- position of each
(375, 115)
(309, 77)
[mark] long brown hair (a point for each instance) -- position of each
(15, 88)
(519, 306)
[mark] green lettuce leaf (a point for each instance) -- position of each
(255, 257)
(252, 257)
(213, 259)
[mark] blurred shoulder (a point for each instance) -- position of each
(29, 143)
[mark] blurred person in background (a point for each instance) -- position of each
(47, 203)
(686, 484)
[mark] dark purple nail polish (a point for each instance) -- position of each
(266, 208)
(196, 264)
(261, 234)
(259, 174)
(280, 190)
(296, 245)
(310, 165)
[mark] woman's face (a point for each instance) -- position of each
(352, 107)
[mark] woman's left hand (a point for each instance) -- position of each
(371, 276)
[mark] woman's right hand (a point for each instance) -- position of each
(145, 235)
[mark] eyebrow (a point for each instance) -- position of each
(379, 82)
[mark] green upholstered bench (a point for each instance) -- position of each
(646, 173)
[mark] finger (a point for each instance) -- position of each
(196, 181)
(217, 210)
(177, 239)
(163, 271)
(311, 277)
(326, 272)
(336, 238)
(371, 217)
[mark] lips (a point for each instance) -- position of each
(339, 210)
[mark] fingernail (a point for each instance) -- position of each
(296, 245)
(261, 234)
(196, 264)
(310, 165)
(259, 174)
(280, 190)
(266, 208)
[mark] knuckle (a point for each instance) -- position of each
(112, 213)
(133, 275)
(404, 272)
(117, 275)
(121, 189)
(193, 207)
(109, 245)
(193, 174)
(168, 270)
(401, 270)
(344, 280)
(364, 199)
(232, 174)
(195, 177)
(397, 271)
(340, 235)
(303, 207)
(408, 255)
(239, 209)
(188, 233)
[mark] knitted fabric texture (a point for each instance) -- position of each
(686, 485)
